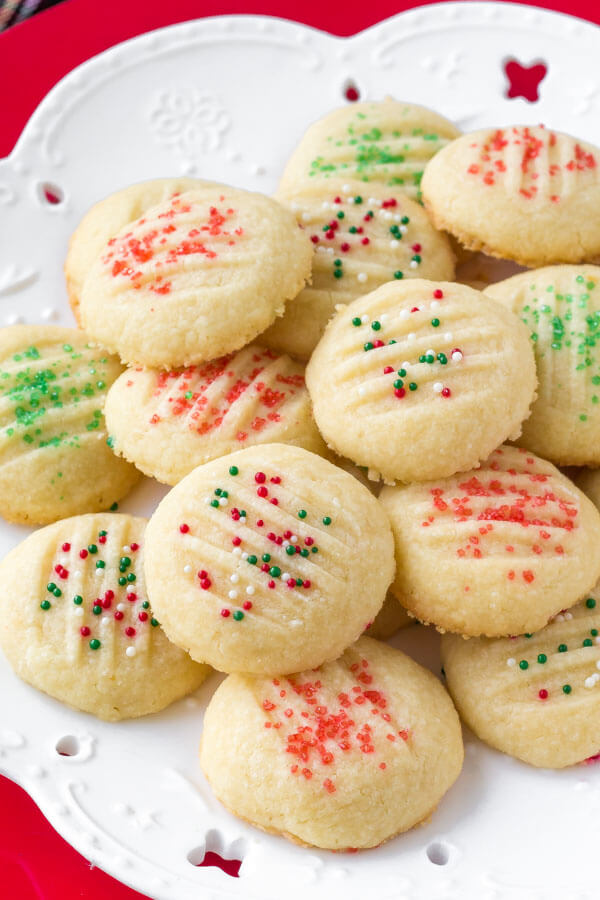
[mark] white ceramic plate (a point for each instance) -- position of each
(228, 98)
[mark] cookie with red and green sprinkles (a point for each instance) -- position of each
(385, 142)
(342, 757)
(54, 457)
(421, 379)
(363, 236)
(106, 218)
(560, 305)
(537, 696)
(495, 551)
(269, 560)
(524, 193)
(195, 277)
(169, 422)
(76, 622)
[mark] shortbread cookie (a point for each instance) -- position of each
(361, 240)
(419, 379)
(195, 277)
(75, 621)
(386, 142)
(495, 551)
(167, 423)
(536, 697)
(54, 460)
(106, 218)
(561, 307)
(523, 193)
(269, 560)
(343, 757)
(390, 619)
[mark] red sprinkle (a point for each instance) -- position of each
(438, 294)
(66, 547)
(388, 369)
(262, 491)
(134, 547)
(236, 541)
(260, 478)
(132, 597)
(129, 631)
(543, 694)
(184, 528)
(83, 554)
(247, 604)
(85, 631)
(143, 616)
(118, 615)
(225, 613)
(446, 392)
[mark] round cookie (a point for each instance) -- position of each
(523, 193)
(270, 560)
(420, 379)
(386, 142)
(195, 277)
(495, 551)
(54, 459)
(76, 624)
(107, 218)
(167, 423)
(343, 757)
(390, 619)
(561, 307)
(361, 240)
(536, 697)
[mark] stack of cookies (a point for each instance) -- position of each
(356, 439)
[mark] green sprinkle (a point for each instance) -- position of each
(51, 587)
(356, 321)
(100, 564)
(125, 561)
(542, 658)
(594, 632)
(402, 373)
(145, 604)
(95, 644)
(398, 274)
(301, 513)
(430, 358)
(122, 580)
(77, 599)
(590, 603)
(100, 385)
(215, 504)
(588, 642)
(57, 592)
(154, 622)
(238, 615)
(326, 520)
(435, 323)
(97, 609)
(67, 348)
(405, 220)
(368, 346)
(442, 358)
(114, 506)
(523, 664)
(398, 383)
(562, 648)
(304, 552)
(266, 557)
(275, 571)
(45, 604)
(567, 688)
(412, 386)
(314, 549)
(341, 215)
(337, 273)
(218, 492)
(131, 578)
(92, 548)
(376, 325)
(291, 550)
(252, 560)
(528, 635)
(337, 262)
(358, 200)
(233, 470)
(298, 582)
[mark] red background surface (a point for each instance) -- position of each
(35, 862)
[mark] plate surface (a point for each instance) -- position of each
(227, 99)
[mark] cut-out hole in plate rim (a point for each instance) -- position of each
(438, 853)
(68, 745)
(524, 81)
(50, 194)
(350, 90)
(200, 857)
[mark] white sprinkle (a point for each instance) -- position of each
(243, 515)
(286, 576)
(121, 607)
(361, 391)
(590, 682)
(405, 365)
(131, 651)
(346, 189)
(104, 621)
(76, 574)
(294, 539)
(397, 217)
(305, 217)
(250, 590)
(208, 500)
(350, 199)
(403, 229)
(413, 264)
(232, 595)
(430, 352)
(438, 387)
(294, 206)
(234, 578)
(568, 616)
(78, 611)
(223, 501)
(383, 319)
(237, 551)
(364, 319)
(373, 202)
(187, 569)
(448, 336)
(244, 555)
(457, 356)
(330, 251)
(511, 662)
(285, 544)
(559, 618)
(434, 304)
(99, 571)
(404, 314)
(411, 336)
(295, 622)
(126, 548)
(394, 244)
(321, 249)
(362, 277)
(335, 501)
(324, 205)
(387, 215)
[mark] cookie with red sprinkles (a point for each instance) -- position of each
(537, 696)
(495, 551)
(523, 192)
(76, 622)
(169, 422)
(342, 757)
(195, 277)
(269, 560)
(421, 379)
(363, 235)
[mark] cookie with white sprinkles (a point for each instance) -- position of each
(54, 458)
(342, 757)
(363, 236)
(76, 623)
(536, 697)
(421, 379)
(269, 560)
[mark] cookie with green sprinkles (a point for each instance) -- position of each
(363, 235)
(76, 621)
(268, 560)
(385, 142)
(169, 422)
(54, 457)
(537, 696)
(421, 379)
(560, 305)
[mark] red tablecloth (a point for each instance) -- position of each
(35, 862)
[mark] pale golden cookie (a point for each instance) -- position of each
(523, 193)
(106, 218)
(76, 624)
(495, 551)
(561, 307)
(54, 459)
(390, 618)
(420, 379)
(269, 560)
(364, 236)
(535, 697)
(167, 423)
(343, 757)
(195, 277)
(386, 142)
